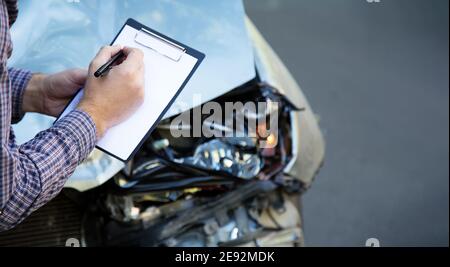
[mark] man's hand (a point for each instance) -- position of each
(49, 94)
(111, 99)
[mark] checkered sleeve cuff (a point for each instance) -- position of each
(81, 129)
(19, 80)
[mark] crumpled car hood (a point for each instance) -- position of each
(53, 35)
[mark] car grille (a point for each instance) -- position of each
(52, 225)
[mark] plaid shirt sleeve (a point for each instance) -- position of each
(33, 173)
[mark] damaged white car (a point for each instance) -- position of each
(183, 189)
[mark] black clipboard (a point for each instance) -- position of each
(186, 49)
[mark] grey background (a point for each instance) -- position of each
(377, 74)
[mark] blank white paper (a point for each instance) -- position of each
(163, 78)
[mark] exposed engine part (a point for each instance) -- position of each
(218, 156)
(282, 214)
(239, 229)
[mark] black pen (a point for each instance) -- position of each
(108, 65)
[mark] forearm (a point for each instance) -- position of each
(34, 173)
(33, 98)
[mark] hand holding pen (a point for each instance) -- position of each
(113, 98)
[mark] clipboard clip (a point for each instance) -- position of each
(160, 45)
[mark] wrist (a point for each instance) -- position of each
(33, 98)
(96, 116)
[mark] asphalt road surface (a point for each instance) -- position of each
(377, 74)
